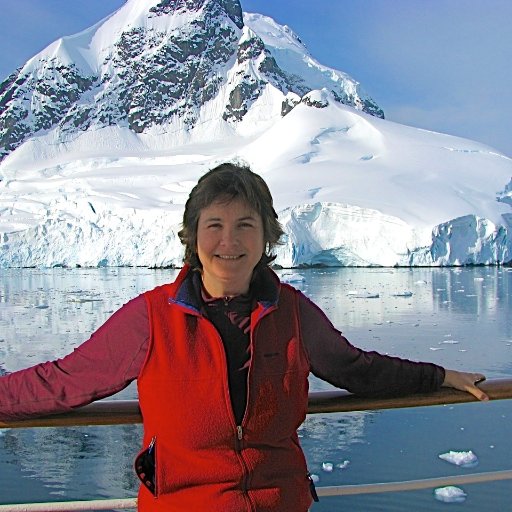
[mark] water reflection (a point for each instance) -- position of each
(455, 317)
(488, 287)
(46, 313)
(342, 430)
(72, 463)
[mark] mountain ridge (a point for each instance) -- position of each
(154, 66)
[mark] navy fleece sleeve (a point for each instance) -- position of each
(334, 359)
(100, 367)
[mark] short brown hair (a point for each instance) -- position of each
(229, 181)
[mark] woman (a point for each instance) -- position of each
(221, 356)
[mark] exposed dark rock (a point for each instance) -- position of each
(288, 105)
(312, 102)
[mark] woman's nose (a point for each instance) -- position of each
(229, 236)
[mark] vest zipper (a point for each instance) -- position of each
(245, 476)
(152, 452)
(239, 433)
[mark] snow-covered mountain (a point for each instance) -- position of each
(180, 67)
(104, 133)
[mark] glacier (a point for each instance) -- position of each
(350, 188)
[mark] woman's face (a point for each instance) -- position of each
(229, 245)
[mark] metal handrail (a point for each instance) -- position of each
(342, 490)
(116, 412)
(72, 506)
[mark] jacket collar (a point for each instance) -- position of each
(265, 288)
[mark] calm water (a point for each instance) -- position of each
(459, 318)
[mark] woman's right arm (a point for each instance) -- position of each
(100, 367)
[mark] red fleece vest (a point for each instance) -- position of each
(204, 461)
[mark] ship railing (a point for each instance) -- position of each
(122, 412)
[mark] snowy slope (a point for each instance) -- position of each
(294, 58)
(350, 187)
(351, 190)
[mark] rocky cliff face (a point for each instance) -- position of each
(160, 67)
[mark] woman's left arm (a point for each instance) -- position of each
(465, 381)
(335, 360)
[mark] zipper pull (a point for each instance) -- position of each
(239, 432)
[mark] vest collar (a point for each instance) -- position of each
(265, 288)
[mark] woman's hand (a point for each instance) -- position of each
(465, 381)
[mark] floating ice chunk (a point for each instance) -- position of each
(314, 478)
(463, 459)
(343, 465)
(362, 294)
(327, 467)
(478, 279)
(450, 342)
(292, 278)
(450, 494)
(403, 294)
(421, 281)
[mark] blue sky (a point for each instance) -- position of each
(442, 65)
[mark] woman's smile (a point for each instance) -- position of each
(225, 257)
